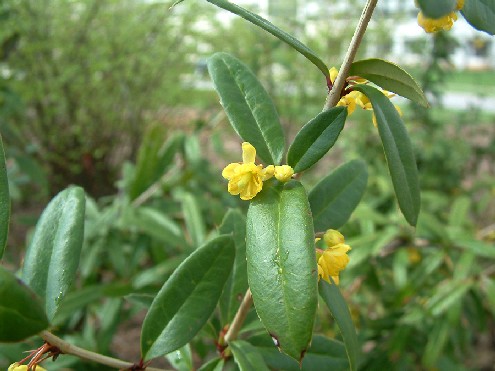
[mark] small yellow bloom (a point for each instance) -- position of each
(17, 367)
(246, 178)
(334, 258)
(283, 173)
(444, 23)
(349, 101)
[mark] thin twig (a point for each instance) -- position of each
(88, 355)
(240, 317)
(334, 96)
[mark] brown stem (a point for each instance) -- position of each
(334, 95)
(240, 317)
(88, 355)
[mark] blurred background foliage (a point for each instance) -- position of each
(113, 95)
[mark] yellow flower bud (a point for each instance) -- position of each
(17, 367)
(283, 173)
(333, 237)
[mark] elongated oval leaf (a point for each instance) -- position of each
(282, 265)
(335, 197)
(187, 299)
(234, 223)
(275, 31)
(398, 151)
(52, 257)
(21, 311)
(4, 201)
(389, 76)
(333, 299)
(247, 357)
(316, 138)
(437, 8)
(480, 14)
(249, 107)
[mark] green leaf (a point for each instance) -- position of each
(249, 107)
(187, 299)
(437, 8)
(323, 354)
(275, 31)
(53, 255)
(447, 295)
(155, 223)
(335, 197)
(181, 359)
(247, 357)
(154, 158)
(195, 223)
(480, 14)
(398, 151)
(21, 311)
(389, 76)
(333, 299)
(316, 138)
(215, 364)
(4, 201)
(234, 223)
(281, 263)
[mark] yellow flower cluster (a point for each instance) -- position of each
(444, 23)
(356, 98)
(334, 258)
(246, 178)
(17, 367)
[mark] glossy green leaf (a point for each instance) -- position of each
(249, 107)
(281, 263)
(389, 76)
(480, 14)
(234, 224)
(53, 255)
(333, 299)
(323, 354)
(336, 196)
(398, 151)
(187, 299)
(21, 311)
(4, 201)
(247, 357)
(316, 138)
(194, 219)
(275, 31)
(437, 8)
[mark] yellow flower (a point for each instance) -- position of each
(334, 258)
(17, 367)
(444, 23)
(246, 178)
(283, 173)
(356, 98)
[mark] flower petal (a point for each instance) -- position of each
(248, 153)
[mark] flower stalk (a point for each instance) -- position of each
(240, 317)
(68, 348)
(334, 95)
